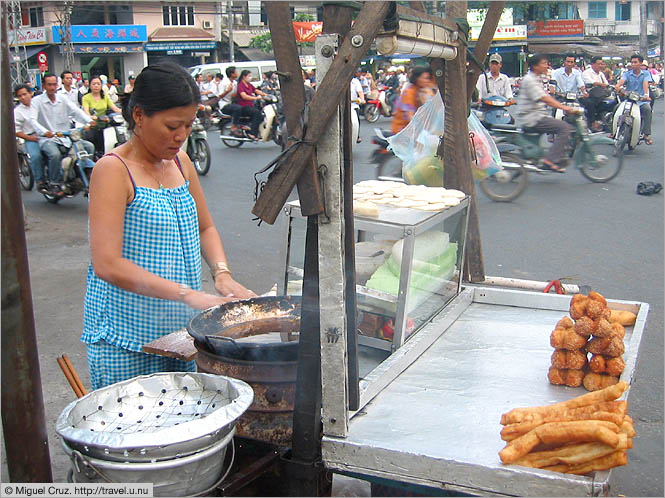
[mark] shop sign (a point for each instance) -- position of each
(307, 31)
(28, 36)
(476, 17)
(127, 48)
(653, 52)
(568, 28)
(307, 60)
(174, 52)
(194, 45)
(201, 54)
(517, 32)
(103, 33)
(42, 61)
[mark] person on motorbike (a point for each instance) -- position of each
(416, 93)
(97, 103)
(533, 115)
(568, 78)
(247, 96)
(357, 99)
(67, 88)
(595, 79)
(637, 80)
(392, 86)
(494, 82)
(55, 113)
(24, 113)
(227, 95)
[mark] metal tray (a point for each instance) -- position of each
(437, 424)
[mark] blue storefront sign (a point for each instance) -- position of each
(173, 46)
(103, 33)
(99, 48)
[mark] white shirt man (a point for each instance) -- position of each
(593, 75)
(56, 115)
(68, 89)
(494, 83)
(357, 98)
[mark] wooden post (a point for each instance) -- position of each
(337, 19)
(456, 157)
(324, 105)
(293, 97)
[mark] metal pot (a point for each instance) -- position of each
(218, 328)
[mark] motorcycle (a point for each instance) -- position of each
(606, 109)
(594, 154)
(24, 170)
(492, 111)
(388, 166)
(197, 148)
(114, 132)
(76, 168)
(271, 128)
(374, 108)
(627, 123)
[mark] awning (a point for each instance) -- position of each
(602, 49)
(180, 34)
(256, 54)
(29, 51)
(243, 37)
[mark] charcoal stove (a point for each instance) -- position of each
(268, 367)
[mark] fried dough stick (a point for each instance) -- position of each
(615, 459)
(560, 433)
(610, 393)
(573, 454)
(512, 431)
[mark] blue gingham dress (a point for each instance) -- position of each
(161, 235)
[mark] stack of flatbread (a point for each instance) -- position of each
(369, 194)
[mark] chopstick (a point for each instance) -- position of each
(71, 375)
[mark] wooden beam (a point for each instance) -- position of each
(483, 44)
(293, 97)
(323, 106)
(455, 146)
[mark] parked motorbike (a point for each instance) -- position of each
(374, 108)
(388, 166)
(627, 123)
(492, 111)
(76, 168)
(272, 127)
(24, 171)
(595, 156)
(197, 148)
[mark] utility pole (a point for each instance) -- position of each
(232, 55)
(644, 44)
(64, 15)
(19, 72)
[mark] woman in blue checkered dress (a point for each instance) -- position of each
(149, 224)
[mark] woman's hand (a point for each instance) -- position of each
(229, 288)
(201, 300)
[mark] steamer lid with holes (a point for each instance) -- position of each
(154, 417)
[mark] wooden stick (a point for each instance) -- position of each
(75, 375)
(70, 379)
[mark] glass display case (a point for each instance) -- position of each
(408, 267)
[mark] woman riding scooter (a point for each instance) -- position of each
(97, 103)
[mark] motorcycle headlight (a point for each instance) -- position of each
(76, 135)
(197, 126)
(117, 119)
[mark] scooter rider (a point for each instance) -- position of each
(532, 113)
(594, 77)
(568, 78)
(494, 83)
(23, 114)
(228, 91)
(55, 113)
(637, 80)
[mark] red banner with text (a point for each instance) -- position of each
(554, 28)
(307, 31)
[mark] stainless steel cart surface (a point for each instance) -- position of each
(437, 424)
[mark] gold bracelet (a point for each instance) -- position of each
(218, 268)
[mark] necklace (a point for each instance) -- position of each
(161, 185)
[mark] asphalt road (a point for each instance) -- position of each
(601, 235)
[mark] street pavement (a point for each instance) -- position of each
(602, 235)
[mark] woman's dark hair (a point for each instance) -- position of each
(101, 90)
(536, 59)
(244, 73)
(21, 87)
(417, 72)
(160, 87)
